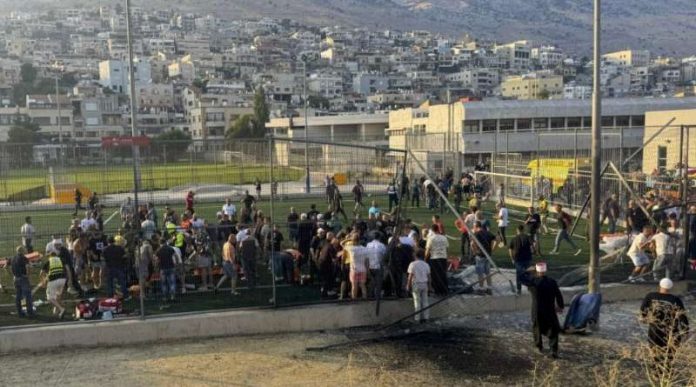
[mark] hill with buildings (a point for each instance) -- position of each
(663, 27)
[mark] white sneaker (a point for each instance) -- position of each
(553, 252)
(578, 252)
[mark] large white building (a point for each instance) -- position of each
(113, 74)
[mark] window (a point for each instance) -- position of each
(587, 122)
(541, 123)
(524, 124)
(557, 123)
(662, 158)
(607, 122)
(92, 121)
(507, 125)
(489, 125)
(623, 121)
(91, 106)
(638, 120)
(574, 122)
(471, 126)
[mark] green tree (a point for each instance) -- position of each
(171, 144)
(28, 73)
(21, 138)
(544, 94)
(261, 113)
(318, 102)
(242, 127)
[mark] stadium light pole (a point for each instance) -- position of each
(136, 149)
(306, 123)
(593, 273)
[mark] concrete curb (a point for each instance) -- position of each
(267, 321)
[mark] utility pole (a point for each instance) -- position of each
(60, 124)
(593, 274)
(136, 149)
(306, 123)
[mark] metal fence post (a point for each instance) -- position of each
(273, 220)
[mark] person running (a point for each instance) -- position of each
(564, 221)
(93, 201)
(358, 192)
(668, 326)
(547, 302)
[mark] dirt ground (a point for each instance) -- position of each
(485, 350)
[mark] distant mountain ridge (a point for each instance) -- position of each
(664, 27)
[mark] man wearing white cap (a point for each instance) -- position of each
(668, 324)
(547, 301)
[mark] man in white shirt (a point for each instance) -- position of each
(147, 228)
(27, 232)
(87, 222)
(664, 256)
(376, 251)
(638, 256)
(230, 209)
(419, 283)
(436, 253)
(503, 222)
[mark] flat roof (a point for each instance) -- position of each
(492, 109)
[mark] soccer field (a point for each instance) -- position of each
(56, 222)
(107, 179)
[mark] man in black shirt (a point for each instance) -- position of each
(483, 268)
(20, 271)
(668, 325)
(358, 192)
(521, 248)
(305, 233)
(547, 301)
(533, 223)
(293, 225)
(636, 217)
(115, 260)
(165, 259)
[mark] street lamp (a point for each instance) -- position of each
(305, 58)
(593, 274)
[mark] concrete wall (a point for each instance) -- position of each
(270, 321)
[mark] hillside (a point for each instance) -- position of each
(664, 27)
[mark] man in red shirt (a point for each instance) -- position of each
(438, 223)
(189, 201)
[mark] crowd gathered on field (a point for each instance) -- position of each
(373, 252)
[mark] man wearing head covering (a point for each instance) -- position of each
(668, 324)
(547, 301)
